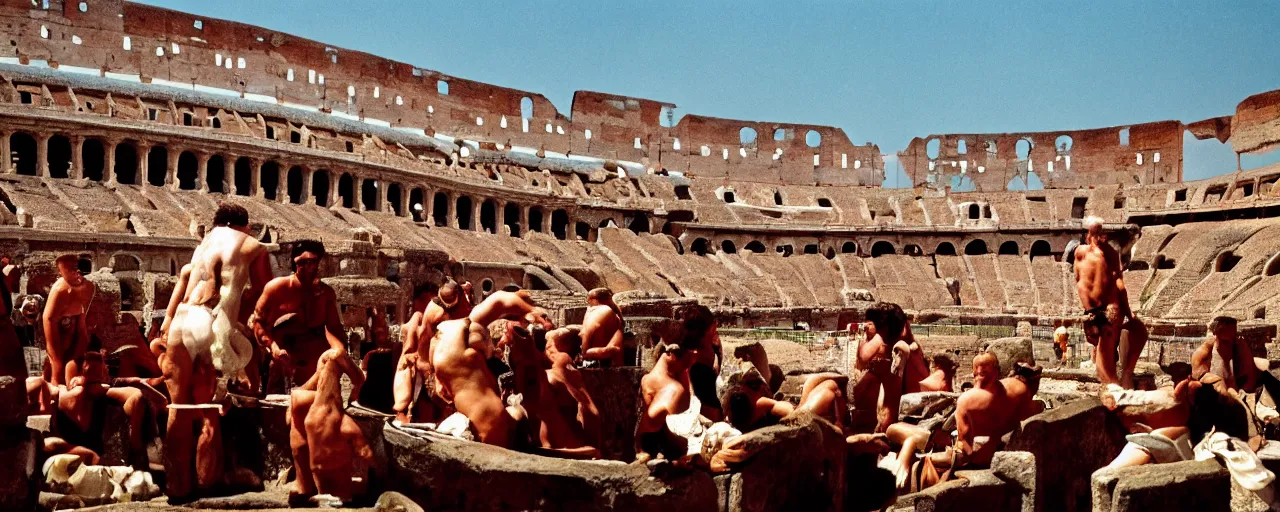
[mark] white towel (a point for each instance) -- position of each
(1245, 466)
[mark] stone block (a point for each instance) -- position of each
(13, 402)
(440, 473)
(1018, 469)
(19, 476)
(970, 490)
(255, 437)
(615, 392)
(1010, 351)
(799, 466)
(1069, 443)
(1203, 486)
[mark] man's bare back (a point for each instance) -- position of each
(602, 336)
(210, 317)
(325, 440)
(984, 414)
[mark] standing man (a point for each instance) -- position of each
(206, 336)
(602, 331)
(66, 329)
(297, 318)
(700, 327)
(1100, 284)
(908, 361)
(871, 413)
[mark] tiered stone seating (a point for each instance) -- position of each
(1017, 281)
(29, 196)
(939, 211)
(822, 277)
(1051, 285)
(983, 269)
(954, 267)
(1217, 286)
(1197, 262)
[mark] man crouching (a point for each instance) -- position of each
(326, 441)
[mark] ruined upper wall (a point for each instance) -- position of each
(1256, 126)
(156, 45)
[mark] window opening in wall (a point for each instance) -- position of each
(755, 246)
(986, 211)
(785, 250)
(1267, 184)
(463, 211)
(488, 216)
(975, 211)
(85, 265)
(526, 107)
(728, 247)
(933, 148)
(59, 157)
(243, 176)
(1063, 143)
(1041, 248)
(511, 218)
(157, 165)
(198, 24)
(667, 116)
(93, 158)
(780, 134)
(24, 97)
(1119, 202)
(811, 249)
(84, 7)
(962, 147)
(187, 119)
(813, 139)
(560, 224)
(215, 174)
(1273, 266)
(777, 198)
(945, 249)
(216, 122)
(1246, 188)
(882, 248)
(848, 248)
(1009, 248)
(1226, 261)
(126, 164)
(417, 208)
(747, 136)
(824, 202)
(975, 248)
(1124, 136)
(1180, 196)
(269, 180)
(293, 184)
(682, 193)
(271, 132)
(440, 209)
(442, 87)
(369, 195)
(295, 137)
(1214, 193)
(1023, 148)
(535, 219)
(351, 148)
(347, 191)
(728, 197)
(699, 247)
(1077, 207)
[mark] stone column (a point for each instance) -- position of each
(405, 207)
(171, 175)
(255, 178)
(202, 171)
(6, 154)
(429, 206)
(307, 176)
(229, 174)
(77, 158)
(476, 205)
(500, 217)
(109, 165)
(546, 223)
(524, 221)
(282, 183)
(452, 212)
(334, 198)
(42, 155)
(140, 173)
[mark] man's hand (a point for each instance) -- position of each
(282, 358)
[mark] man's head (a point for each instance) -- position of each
(600, 297)
(1223, 328)
(986, 370)
(68, 269)
(888, 319)
(1093, 230)
(565, 340)
(306, 256)
(422, 295)
(232, 216)
(945, 363)
(696, 323)
(739, 400)
(94, 369)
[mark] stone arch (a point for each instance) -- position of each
(560, 224)
(346, 191)
(1041, 248)
(639, 223)
(59, 155)
(126, 169)
(1272, 267)
(440, 209)
(535, 219)
(882, 248)
(1226, 261)
(93, 159)
(269, 180)
(1009, 248)
(393, 198)
(243, 176)
(489, 216)
(23, 147)
(728, 247)
(320, 187)
(945, 249)
(188, 171)
(293, 184)
(215, 175)
(463, 211)
(976, 248)
(849, 248)
(416, 206)
(912, 250)
(699, 247)
(582, 231)
(755, 246)
(124, 262)
(157, 165)
(511, 218)
(369, 195)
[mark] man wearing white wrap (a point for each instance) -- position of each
(207, 336)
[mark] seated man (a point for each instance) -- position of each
(81, 414)
(297, 319)
(908, 361)
(65, 316)
(1158, 421)
(325, 441)
(418, 394)
(602, 331)
(871, 412)
(944, 372)
(1061, 341)
(568, 420)
(1223, 354)
(698, 323)
(666, 390)
(748, 407)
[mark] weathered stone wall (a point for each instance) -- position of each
(1069, 443)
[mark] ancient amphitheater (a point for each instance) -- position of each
(127, 124)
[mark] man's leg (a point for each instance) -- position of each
(1136, 336)
(299, 404)
(179, 434)
(1105, 354)
(209, 445)
(912, 438)
(136, 409)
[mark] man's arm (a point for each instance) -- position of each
(52, 336)
(1246, 366)
(1117, 274)
(349, 367)
(175, 298)
(964, 434)
(82, 321)
(892, 388)
(588, 414)
(1200, 360)
(334, 331)
(781, 408)
(260, 276)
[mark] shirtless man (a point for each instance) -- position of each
(749, 407)
(666, 390)
(697, 321)
(909, 363)
(206, 336)
(570, 421)
(1100, 285)
(602, 331)
(1223, 354)
(81, 413)
(1061, 341)
(66, 329)
(461, 350)
(414, 372)
(944, 372)
(297, 319)
(325, 441)
(12, 361)
(1159, 422)
(871, 413)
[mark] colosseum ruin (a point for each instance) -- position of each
(124, 126)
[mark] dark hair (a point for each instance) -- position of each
(944, 362)
(301, 246)
(888, 319)
(600, 295)
(695, 321)
(425, 288)
(231, 215)
(1221, 321)
(738, 408)
(69, 259)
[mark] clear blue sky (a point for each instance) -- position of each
(883, 71)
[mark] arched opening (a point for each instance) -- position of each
(243, 175)
(1226, 261)
(975, 248)
(747, 136)
(1041, 248)
(1023, 148)
(754, 246)
(1063, 143)
(416, 206)
(463, 210)
(729, 198)
(320, 187)
(560, 224)
(393, 198)
(1273, 266)
(215, 175)
(369, 195)
(535, 219)
(526, 107)
(912, 250)
(511, 218)
(881, 248)
(489, 216)
(582, 230)
(728, 247)
(813, 139)
(84, 265)
(785, 250)
(126, 164)
(346, 191)
(440, 209)
(293, 184)
(188, 171)
(269, 180)
(639, 223)
(125, 263)
(933, 148)
(848, 248)
(830, 253)
(93, 158)
(945, 249)
(777, 198)
(975, 211)
(810, 249)
(699, 247)
(824, 202)
(59, 157)
(1009, 248)
(23, 147)
(157, 165)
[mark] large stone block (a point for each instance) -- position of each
(1069, 443)
(1203, 486)
(969, 491)
(615, 392)
(19, 475)
(1010, 351)
(442, 473)
(13, 402)
(800, 466)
